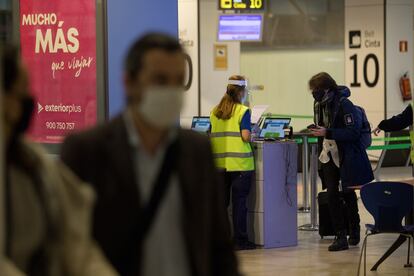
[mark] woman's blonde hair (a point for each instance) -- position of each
(224, 110)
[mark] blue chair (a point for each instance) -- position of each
(388, 203)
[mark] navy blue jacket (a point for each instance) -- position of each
(355, 167)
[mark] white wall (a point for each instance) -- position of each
(399, 27)
(285, 75)
(213, 83)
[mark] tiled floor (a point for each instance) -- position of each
(311, 256)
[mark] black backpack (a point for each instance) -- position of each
(365, 138)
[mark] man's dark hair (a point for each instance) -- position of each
(9, 66)
(150, 41)
(322, 81)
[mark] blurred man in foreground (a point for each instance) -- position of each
(160, 208)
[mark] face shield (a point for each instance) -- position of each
(249, 89)
(244, 84)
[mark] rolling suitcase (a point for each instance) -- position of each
(325, 223)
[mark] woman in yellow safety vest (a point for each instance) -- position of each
(230, 138)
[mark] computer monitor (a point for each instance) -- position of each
(274, 127)
(274, 120)
(201, 124)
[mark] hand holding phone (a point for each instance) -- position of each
(317, 131)
(312, 126)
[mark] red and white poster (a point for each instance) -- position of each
(58, 43)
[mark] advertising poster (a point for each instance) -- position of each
(58, 43)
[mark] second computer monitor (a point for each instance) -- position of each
(274, 127)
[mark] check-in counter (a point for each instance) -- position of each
(272, 203)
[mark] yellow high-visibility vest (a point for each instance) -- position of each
(229, 150)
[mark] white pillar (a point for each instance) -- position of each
(214, 81)
(189, 34)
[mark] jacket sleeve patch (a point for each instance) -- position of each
(349, 119)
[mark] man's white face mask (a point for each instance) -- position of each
(161, 106)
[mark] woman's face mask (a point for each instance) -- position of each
(27, 104)
(318, 94)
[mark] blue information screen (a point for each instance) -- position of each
(246, 27)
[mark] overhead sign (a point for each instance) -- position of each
(241, 4)
(58, 43)
(365, 56)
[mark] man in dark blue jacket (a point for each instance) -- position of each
(343, 157)
(396, 123)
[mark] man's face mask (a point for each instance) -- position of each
(318, 94)
(161, 106)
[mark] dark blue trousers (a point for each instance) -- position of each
(238, 186)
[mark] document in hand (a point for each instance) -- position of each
(257, 112)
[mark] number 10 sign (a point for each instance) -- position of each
(365, 57)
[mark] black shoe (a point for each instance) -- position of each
(245, 246)
(339, 244)
(354, 237)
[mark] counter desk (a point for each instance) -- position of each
(272, 203)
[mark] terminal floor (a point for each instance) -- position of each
(311, 256)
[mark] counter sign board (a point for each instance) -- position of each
(365, 56)
(241, 4)
(58, 44)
